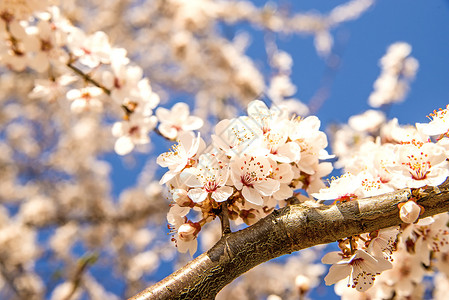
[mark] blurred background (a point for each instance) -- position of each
(79, 221)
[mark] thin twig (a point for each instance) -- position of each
(86, 77)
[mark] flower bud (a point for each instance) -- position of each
(409, 212)
(188, 231)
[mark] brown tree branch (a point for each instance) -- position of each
(284, 231)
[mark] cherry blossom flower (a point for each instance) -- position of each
(177, 119)
(185, 232)
(432, 237)
(314, 181)
(279, 149)
(85, 99)
(345, 185)
(51, 89)
(383, 242)
(237, 136)
(250, 174)
(406, 272)
(369, 121)
(51, 40)
(283, 173)
(398, 69)
(439, 124)
(132, 132)
(421, 164)
(264, 117)
(92, 49)
(181, 155)
(361, 268)
(124, 78)
(207, 179)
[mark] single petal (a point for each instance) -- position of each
(192, 123)
(190, 177)
(162, 114)
(284, 192)
(197, 195)
(251, 195)
(222, 193)
(123, 145)
(337, 273)
(267, 187)
(289, 152)
(168, 131)
(331, 257)
(180, 111)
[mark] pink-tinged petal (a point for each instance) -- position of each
(176, 215)
(367, 258)
(337, 273)
(251, 195)
(222, 176)
(383, 264)
(331, 257)
(162, 114)
(267, 187)
(190, 246)
(363, 281)
(167, 177)
(180, 111)
(258, 108)
(289, 152)
(235, 176)
(283, 173)
(168, 131)
(188, 141)
(284, 192)
(190, 177)
(174, 219)
(222, 193)
(422, 250)
(123, 145)
(425, 221)
(197, 195)
(192, 123)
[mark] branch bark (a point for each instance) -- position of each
(284, 231)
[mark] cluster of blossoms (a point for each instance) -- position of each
(400, 157)
(260, 161)
(255, 163)
(49, 44)
(398, 69)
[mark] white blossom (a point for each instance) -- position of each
(177, 119)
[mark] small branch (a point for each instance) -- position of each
(83, 264)
(87, 78)
(286, 230)
(224, 219)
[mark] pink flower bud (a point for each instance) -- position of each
(188, 231)
(409, 212)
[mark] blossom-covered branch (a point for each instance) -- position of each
(284, 231)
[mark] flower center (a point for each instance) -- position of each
(247, 179)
